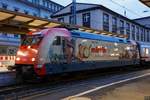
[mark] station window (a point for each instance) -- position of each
(35, 2)
(148, 36)
(58, 8)
(34, 14)
(128, 30)
(142, 37)
(133, 32)
(114, 24)
(46, 17)
(71, 9)
(144, 32)
(71, 20)
(105, 22)
(121, 26)
(16, 9)
(4, 5)
(57, 41)
(61, 19)
(26, 12)
(86, 20)
(137, 33)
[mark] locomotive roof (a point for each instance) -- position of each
(87, 35)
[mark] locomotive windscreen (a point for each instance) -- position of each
(31, 40)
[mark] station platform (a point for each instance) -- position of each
(7, 78)
(129, 86)
(3, 69)
(135, 90)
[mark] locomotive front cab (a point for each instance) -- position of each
(41, 48)
(27, 55)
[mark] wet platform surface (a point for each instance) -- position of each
(7, 78)
(134, 89)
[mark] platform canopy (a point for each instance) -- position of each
(146, 2)
(16, 22)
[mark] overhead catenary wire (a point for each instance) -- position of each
(125, 8)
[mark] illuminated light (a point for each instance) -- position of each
(103, 33)
(81, 29)
(116, 44)
(117, 54)
(127, 48)
(112, 54)
(0, 64)
(29, 47)
(110, 34)
(115, 35)
(146, 51)
(116, 49)
(32, 29)
(88, 30)
(33, 59)
(96, 32)
(18, 59)
(84, 40)
(98, 46)
(35, 50)
(21, 53)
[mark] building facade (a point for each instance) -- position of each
(101, 18)
(40, 8)
(143, 21)
(9, 42)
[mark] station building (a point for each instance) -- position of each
(10, 30)
(143, 21)
(101, 18)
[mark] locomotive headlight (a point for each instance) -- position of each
(33, 59)
(29, 47)
(21, 53)
(18, 59)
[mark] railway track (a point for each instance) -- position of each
(21, 91)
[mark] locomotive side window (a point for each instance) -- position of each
(57, 41)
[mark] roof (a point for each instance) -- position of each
(91, 7)
(142, 18)
(87, 35)
(146, 2)
(20, 23)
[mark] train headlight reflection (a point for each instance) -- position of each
(18, 59)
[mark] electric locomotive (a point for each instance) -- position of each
(58, 50)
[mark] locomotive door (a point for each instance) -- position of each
(60, 50)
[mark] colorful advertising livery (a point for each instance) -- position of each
(58, 50)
